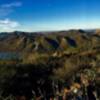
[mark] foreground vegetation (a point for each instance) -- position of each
(49, 75)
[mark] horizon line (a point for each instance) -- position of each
(41, 31)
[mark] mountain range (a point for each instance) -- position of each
(49, 43)
(60, 56)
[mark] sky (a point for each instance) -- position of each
(49, 15)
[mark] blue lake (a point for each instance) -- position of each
(9, 55)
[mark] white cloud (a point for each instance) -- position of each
(10, 5)
(5, 12)
(6, 9)
(8, 25)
